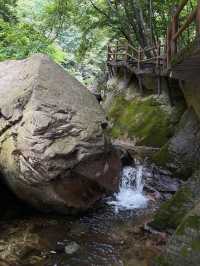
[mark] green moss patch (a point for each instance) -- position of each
(162, 157)
(173, 211)
(161, 261)
(192, 222)
(142, 119)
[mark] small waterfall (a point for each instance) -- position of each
(130, 195)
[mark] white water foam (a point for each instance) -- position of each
(130, 195)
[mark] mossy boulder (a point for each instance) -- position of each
(181, 154)
(183, 247)
(147, 120)
(172, 212)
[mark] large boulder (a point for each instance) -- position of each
(53, 151)
(181, 154)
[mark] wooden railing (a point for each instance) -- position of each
(126, 53)
(158, 56)
(176, 29)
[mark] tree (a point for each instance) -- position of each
(7, 10)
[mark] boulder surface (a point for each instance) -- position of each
(53, 151)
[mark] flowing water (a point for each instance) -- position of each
(111, 235)
(130, 195)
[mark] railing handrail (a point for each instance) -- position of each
(118, 52)
(186, 24)
(175, 30)
(126, 51)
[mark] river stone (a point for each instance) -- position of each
(53, 151)
(72, 248)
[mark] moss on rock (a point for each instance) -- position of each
(172, 212)
(184, 246)
(181, 154)
(161, 261)
(146, 120)
(162, 157)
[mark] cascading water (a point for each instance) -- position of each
(130, 195)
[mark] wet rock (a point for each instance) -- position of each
(182, 153)
(72, 248)
(172, 212)
(19, 244)
(164, 183)
(184, 246)
(53, 151)
(130, 151)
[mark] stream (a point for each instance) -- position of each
(113, 234)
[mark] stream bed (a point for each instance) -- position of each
(114, 234)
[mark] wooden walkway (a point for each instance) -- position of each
(163, 60)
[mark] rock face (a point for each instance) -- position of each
(172, 212)
(53, 152)
(184, 245)
(182, 152)
(192, 96)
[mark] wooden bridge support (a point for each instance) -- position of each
(140, 84)
(159, 87)
(170, 91)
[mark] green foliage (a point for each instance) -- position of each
(18, 41)
(7, 10)
(82, 28)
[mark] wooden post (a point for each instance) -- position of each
(170, 92)
(140, 83)
(158, 68)
(116, 51)
(126, 52)
(198, 19)
(175, 23)
(139, 59)
(169, 38)
(164, 57)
